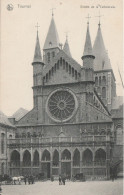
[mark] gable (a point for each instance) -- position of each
(60, 76)
(62, 56)
(62, 70)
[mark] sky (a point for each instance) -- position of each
(18, 38)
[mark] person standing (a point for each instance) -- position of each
(60, 180)
(25, 180)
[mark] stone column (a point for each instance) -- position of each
(40, 160)
(51, 161)
(31, 157)
(93, 164)
(59, 161)
(108, 157)
(93, 158)
(21, 162)
(81, 160)
(71, 163)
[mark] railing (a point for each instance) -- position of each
(48, 140)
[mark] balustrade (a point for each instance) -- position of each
(47, 140)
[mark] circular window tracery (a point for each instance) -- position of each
(61, 105)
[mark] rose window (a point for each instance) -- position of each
(61, 105)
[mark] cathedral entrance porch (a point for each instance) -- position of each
(66, 169)
(46, 169)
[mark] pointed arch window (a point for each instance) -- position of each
(69, 69)
(66, 66)
(96, 81)
(63, 64)
(104, 80)
(119, 135)
(72, 72)
(75, 74)
(48, 57)
(100, 80)
(104, 92)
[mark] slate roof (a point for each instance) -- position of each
(19, 113)
(52, 39)
(37, 53)
(88, 45)
(101, 61)
(66, 48)
(4, 120)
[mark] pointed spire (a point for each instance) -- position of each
(52, 39)
(102, 61)
(37, 53)
(66, 48)
(88, 46)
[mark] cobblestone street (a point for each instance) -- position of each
(71, 188)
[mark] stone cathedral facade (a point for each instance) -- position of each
(72, 127)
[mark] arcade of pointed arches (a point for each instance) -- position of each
(87, 157)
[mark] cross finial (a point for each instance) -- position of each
(37, 26)
(99, 16)
(88, 18)
(52, 11)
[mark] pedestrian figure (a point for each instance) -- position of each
(25, 180)
(60, 180)
(63, 180)
(28, 179)
(32, 179)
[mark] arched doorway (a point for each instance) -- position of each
(46, 163)
(35, 169)
(15, 159)
(56, 158)
(76, 162)
(27, 159)
(36, 159)
(66, 163)
(76, 158)
(55, 168)
(26, 163)
(87, 158)
(100, 157)
(15, 163)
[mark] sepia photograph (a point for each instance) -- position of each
(61, 97)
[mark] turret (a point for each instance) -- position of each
(37, 70)
(66, 47)
(88, 58)
(103, 73)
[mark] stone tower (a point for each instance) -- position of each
(52, 44)
(87, 71)
(104, 76)
(38, 79)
